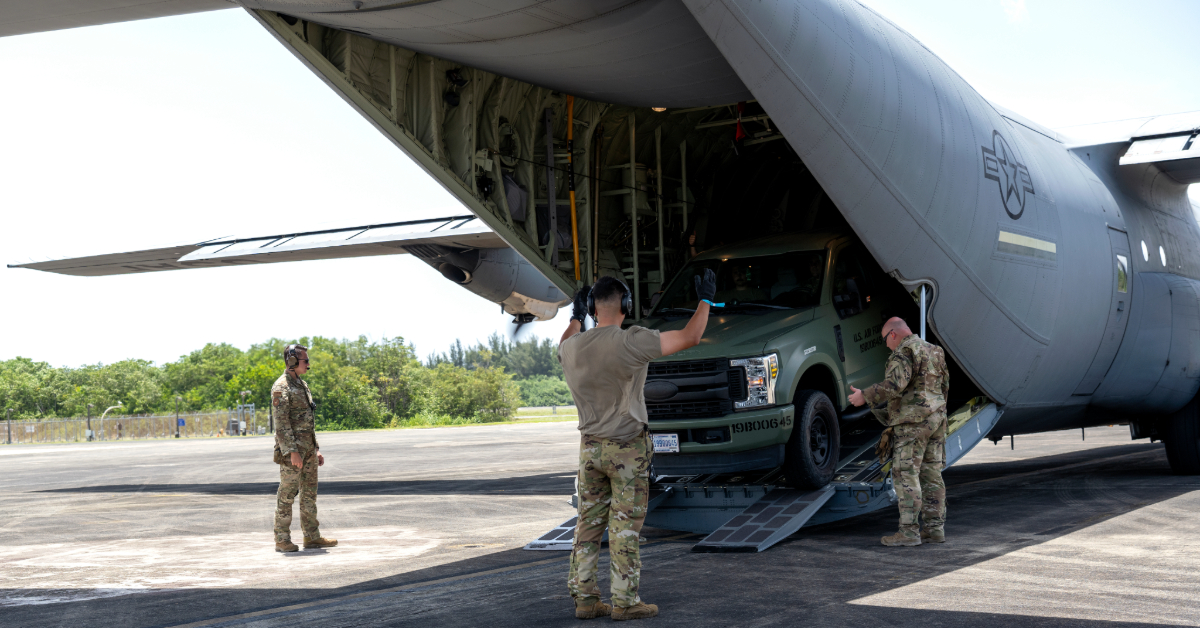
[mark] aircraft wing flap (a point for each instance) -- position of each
(1177, 154)
(461, 232)
(1171, 142)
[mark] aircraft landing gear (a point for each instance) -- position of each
(1181, 434)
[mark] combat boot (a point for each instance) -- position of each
(319, 542)
(286, 546)
(901, 539)
(935, 535)
(639, 611)
(592, 611)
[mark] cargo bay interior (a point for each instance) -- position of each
(629, 185)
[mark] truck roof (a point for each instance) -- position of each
(774, 245)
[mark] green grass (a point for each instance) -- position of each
(561, 413)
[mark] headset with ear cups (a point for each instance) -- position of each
(289, 355)
(626, 300)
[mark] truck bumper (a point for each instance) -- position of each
(757, 442)
(696, 464)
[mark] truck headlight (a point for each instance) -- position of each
(761, 373)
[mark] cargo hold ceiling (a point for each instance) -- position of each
(647, 53)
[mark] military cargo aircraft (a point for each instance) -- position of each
(599, 138)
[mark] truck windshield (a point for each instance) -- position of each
(791, 280)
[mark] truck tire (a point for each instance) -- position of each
(812, 451)
(1181, 435)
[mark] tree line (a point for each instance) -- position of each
(356, 383)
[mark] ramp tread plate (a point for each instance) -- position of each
(776, 516)
(562, 537)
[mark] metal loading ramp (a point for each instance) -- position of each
(859, 486)
(752, 511)
(768, 521)
(562, 537)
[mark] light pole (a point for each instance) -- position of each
(243, 412)
(9, 413)
(177, 400)
(105, 413)
(90, 435)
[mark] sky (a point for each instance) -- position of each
(182, 129)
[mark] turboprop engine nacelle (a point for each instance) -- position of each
(498, 275)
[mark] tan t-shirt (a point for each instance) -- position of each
(605, 368)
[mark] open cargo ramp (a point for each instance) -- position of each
(752, 511)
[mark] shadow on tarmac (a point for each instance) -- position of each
(807, 580)
(545, 484)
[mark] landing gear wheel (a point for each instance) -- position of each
(812, 451)
(1181, 434)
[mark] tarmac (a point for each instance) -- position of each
(1056, 532)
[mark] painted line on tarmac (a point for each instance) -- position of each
(268, 613)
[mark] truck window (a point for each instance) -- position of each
(790, 280)
(851, 286)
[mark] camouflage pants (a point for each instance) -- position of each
(918, 455)
(303, 481)
(614, 487)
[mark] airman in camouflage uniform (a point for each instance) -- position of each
(915, 387)
(606, 369)
(297, 453)
(614, 488)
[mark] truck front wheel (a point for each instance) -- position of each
(812, 450)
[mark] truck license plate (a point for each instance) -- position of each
(666, 443)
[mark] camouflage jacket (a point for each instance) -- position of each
(915, 385)
(292, 407)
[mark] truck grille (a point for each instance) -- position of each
(691, 410)
(694, 389)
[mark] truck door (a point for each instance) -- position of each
(852, 289)
(1118, 314)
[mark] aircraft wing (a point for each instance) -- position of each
(21, 17)
(1171, 143)
(457, 232)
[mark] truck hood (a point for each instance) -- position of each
(735, 335)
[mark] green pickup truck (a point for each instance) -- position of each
(767, 385)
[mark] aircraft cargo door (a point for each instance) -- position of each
(1118, 314)
(860, 319)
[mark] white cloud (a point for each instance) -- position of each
(1015, 10)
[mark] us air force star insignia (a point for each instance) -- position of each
(1000, 165)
